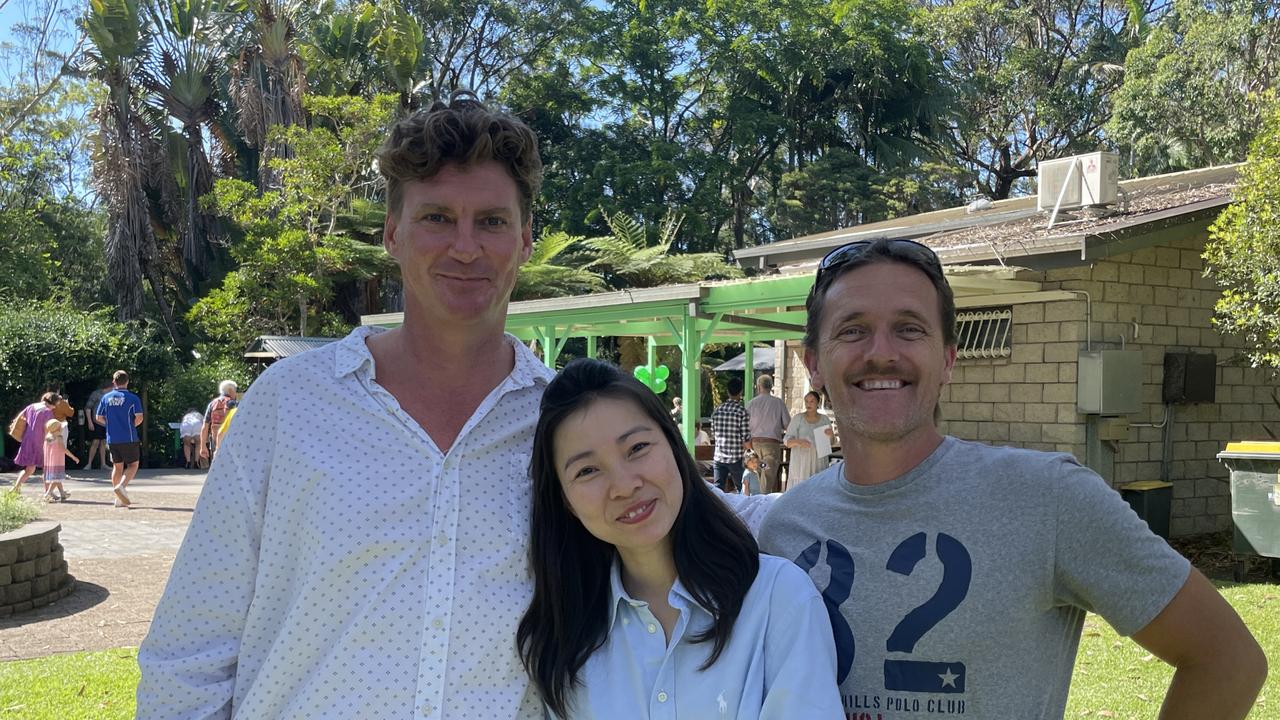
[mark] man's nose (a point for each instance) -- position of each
(466, 242)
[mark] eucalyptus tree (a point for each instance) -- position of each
(1030, 80)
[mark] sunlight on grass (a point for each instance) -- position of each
(1115, 678)
(78, 686)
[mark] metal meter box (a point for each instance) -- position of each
(1109, 382)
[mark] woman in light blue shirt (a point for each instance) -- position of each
(650, 597)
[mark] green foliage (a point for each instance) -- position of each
(625, 259)
(15, 511)
(192, 386)
(44, 345)
(544, 275)
(1191, 92)
(301, 241)
(1243, 253)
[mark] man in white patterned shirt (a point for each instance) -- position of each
(376, 566)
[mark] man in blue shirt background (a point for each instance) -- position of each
(120, 412)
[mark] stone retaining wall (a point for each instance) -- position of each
(33, 572)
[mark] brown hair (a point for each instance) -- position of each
(120, 377)
(51, 398)
(460, 130)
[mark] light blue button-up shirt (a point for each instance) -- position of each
(780, 661)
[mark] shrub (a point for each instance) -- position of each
(15, 511)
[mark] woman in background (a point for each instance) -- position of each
(804, 460)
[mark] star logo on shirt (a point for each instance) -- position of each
(948, 678)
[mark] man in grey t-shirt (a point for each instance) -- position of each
(957, 574)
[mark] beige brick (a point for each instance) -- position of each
(1144, 256)
(1077, 272)
(1028, 313)
(1061, 352)
(1168, 257)
(1106, 272)
(1025, 432)
(1065, 310)
(1040, 413)
(1141, 294)
(1011, 373)
(1042, 332)
(1180, 279)
(1131, 452)
(1209, 337)
(978, 412)
(1042, 372)
(1019, 334)
(1009, 412)
(979, 374)
(963, 430)
(1026, 393)
(1201, 281)
(1067, 412)
(993, 432)
(1067, 372)
(1116, 292)
(1028, 353)
(1089, 286)
(1153, 314)
(1063, 433)
(1191, 260)
(963, 392)
(1166, 296)
(1155, 276)
(1104, 312)
(1059, 392)
(1200, 317)
(1179, 317)
(1188, 336)
(993, 393)
(1071, 332)
(1189, 298)
(1131, 274)
(1164, 335)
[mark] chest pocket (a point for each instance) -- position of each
(519, 489)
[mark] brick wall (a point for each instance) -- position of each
(1029, 399)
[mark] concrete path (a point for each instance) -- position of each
(120, 559)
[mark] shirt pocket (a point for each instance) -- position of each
(519, 494)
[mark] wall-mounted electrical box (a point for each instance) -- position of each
(1109, 382)
(1190, 377)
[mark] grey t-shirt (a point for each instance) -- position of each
(959, 589)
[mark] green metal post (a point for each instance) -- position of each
(591, 346)
(749, 371)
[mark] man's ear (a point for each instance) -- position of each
(389, 233)
(526, 241)
(950, 364)
(811, 364)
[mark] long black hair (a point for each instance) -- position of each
(715, 556)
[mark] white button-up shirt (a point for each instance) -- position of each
(339, 565)
(779, 663)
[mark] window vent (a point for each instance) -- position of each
(985, 334)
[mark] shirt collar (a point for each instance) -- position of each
(352, 355)
(679, 597)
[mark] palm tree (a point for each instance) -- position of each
(268, 82)
(125, 148)
(182, 80)
(542, 277)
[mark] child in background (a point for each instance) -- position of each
(55, 463)
(751, 475)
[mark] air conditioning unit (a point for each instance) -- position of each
(1080, 180)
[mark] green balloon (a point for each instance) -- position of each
(642, 374)
(663, 373)
(659, 386)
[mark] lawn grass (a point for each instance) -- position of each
(1114, 678)
(78, 686)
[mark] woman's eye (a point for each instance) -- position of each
(583, 472)
(639, 447)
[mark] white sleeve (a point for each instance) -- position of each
(800, 653)
(189, 657)
(750, 508)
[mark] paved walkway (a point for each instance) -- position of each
(120, 559)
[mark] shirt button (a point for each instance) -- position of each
(653, 628)
(427, 709)
(662, 697)
(437, 623)
(625, 621)
(442, 539)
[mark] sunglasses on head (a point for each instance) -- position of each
(854, 250)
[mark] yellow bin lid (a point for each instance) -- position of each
(1254, 446)
(1142, 485)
